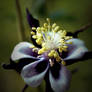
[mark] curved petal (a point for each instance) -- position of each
(62, 81)
(23, 50)
(32, 21)
(34, 73)
(76, 50)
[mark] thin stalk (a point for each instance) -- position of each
(25, 87)
(83, 28)
(76, 32)
(20, 21)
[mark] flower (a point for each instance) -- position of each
(52, 50)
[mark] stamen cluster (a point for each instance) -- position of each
(51, 38)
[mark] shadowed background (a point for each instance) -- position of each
(69, 14)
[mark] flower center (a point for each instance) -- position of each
(51, 38)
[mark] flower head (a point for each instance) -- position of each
(53, 41)
(47, 57)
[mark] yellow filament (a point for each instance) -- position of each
(56, 29)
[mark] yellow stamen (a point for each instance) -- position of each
(55, 55)
(60, 49)
(52, 40)
(32, 46)
(51, 62)
(54, 25)
(43, 44)
(42, 50)
(58, 59)
(50, 54)
(56, 28)
(63, 63)
(68, 37)
(33, 33)
(49, 38)
(42, 29)
(34, 36)
(65, 47)
(45, 25)
(39, 41)
(48, 20)
(38, 29)
(33, 28)
(69, 42)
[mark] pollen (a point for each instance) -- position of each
(34, 36)
(42, 50)
(52, 39)
(56, 29)
(32, 46)
(63, 63)
(33, 28)
(54, 25)
(58, 59)
(33, 33)
(51, 53)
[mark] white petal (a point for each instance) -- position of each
(22, 50)
(62, 82)
(31, 75)
(76, 50)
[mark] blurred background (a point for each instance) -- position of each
(69, 14)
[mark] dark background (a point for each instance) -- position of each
(69, 14)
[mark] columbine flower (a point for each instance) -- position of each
(52, 50)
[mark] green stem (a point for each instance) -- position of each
(20, 21)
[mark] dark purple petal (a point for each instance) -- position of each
(33, 23)
(34, 73)
(18, 65)
(76, 50)
(55, 73)
(23, 50)
(55, 70)
(31, 20)
(62, 82)
(48, 85)
(74, 35)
